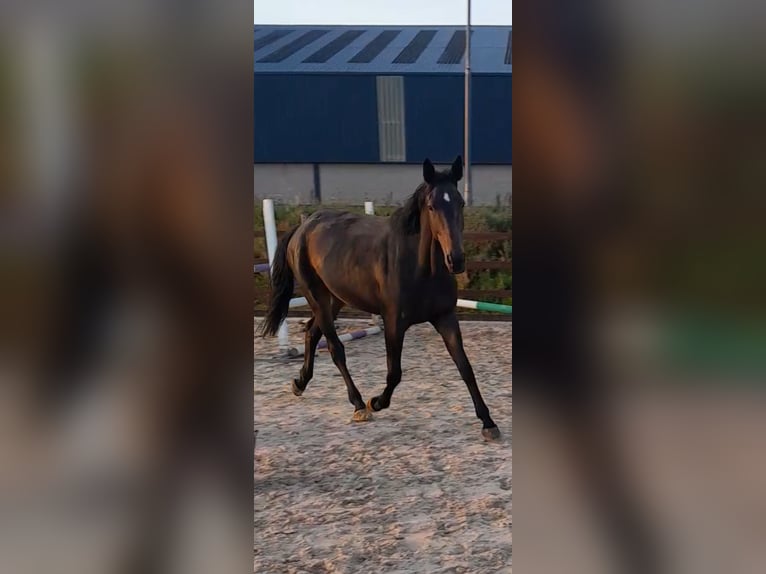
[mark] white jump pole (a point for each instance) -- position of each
(270, 226)
(369, 209)
(482, 306)
(298, 302)
(345, 338)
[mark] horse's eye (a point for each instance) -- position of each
(430, 208)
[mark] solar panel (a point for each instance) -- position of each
(331, 48)
(292, 47)
(375, 47)
(509, 48)
(455, 49)
(270, 38)
(414, 49)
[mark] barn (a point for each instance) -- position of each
(348, 113)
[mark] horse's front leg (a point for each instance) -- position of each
(394, 333)
(449, 328)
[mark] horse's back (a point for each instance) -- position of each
(326, 231)
(347, 252)
(344, 223)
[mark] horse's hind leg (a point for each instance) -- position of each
(325, 309)
(323, 315)
(311, 340)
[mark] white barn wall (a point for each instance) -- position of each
(355, 183)
(284, 183)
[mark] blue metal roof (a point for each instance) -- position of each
(380, 49)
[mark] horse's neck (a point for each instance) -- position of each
(429, 261)
(417, 256)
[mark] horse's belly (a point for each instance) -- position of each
(366, 302)
(357, 290)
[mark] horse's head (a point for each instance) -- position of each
(443, 206)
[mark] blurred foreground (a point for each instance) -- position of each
(126, 392)
(639, 317)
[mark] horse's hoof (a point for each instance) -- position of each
(297, 391)
(362, 415)
(369, 405)
(491, 433)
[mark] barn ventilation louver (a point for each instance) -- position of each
(270, 38)
(415, 48)
(455, 49)
(375, 47)
(292, 47)
(333, 47)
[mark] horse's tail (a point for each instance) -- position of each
(282, 284)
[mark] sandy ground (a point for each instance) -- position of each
(416, 490)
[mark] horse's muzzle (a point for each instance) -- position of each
(456, 263)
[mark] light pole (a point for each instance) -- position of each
(467, 128)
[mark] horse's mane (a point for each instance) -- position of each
(407, 218)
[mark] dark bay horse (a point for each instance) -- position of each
(401, 268)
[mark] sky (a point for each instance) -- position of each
(431, 12)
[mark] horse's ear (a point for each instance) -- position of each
(457, 169)
(429, 172)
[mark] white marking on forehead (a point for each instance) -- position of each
(446, 197)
